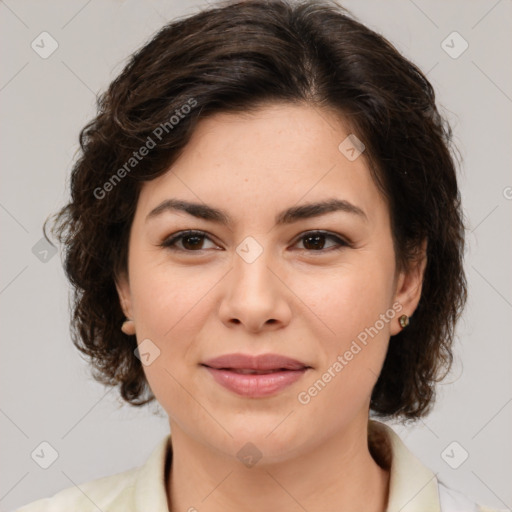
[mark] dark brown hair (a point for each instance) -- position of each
(235, 57)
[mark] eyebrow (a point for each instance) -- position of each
(288, 216)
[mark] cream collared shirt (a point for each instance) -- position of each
(412, 487)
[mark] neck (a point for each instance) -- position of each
(340, 470)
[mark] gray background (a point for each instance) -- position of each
(46, 392)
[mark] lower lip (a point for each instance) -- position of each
(254, 385)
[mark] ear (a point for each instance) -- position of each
(409, 285)
(123, 291)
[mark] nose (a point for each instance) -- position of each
(255, 296)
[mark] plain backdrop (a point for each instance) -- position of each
(47, 394)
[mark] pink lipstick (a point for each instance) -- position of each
(255, 376)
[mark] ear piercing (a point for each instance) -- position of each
(403, 321)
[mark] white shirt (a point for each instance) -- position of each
(412, 486)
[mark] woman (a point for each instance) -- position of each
(265, 236)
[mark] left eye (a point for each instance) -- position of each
(192, 241)
(316, 240)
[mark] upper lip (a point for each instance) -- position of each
(252, 362)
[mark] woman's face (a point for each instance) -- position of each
(266, 282)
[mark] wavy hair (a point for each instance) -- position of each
(235, 57)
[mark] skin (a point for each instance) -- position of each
(294, 299)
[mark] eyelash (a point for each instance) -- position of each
(169, 243)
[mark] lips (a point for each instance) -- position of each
(264, 363)
(255, 376)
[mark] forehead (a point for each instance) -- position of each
(277, 156)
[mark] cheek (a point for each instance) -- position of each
(353, 336)
(347, 300)
(170, 307)
(169, 299)
(351, 357)
(169, 312)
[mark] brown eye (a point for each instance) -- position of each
(316, 241)
(194, 241)
(190, 241)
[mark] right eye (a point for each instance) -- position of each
(191, 241)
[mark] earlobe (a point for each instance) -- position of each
(128, 327)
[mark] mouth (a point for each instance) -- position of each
(255, 376)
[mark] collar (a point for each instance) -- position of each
(412, 486)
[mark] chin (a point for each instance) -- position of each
(266, 439)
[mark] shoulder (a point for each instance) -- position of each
(87, 497)
(412, 485)
(451, 500)
(122, 492)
